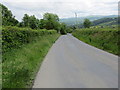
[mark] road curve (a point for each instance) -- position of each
(71, 63)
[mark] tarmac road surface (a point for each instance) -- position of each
(71, 63)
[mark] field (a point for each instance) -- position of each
(20, 64)
(103, 38)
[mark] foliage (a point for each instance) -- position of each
(103, 38)
(7, 17)
(23, 51)
(63, 28)
(14, 37)
(42, 24)
(87, 23)
(30, 21)
(25, 20)
(50, 21)
(69, 30)
(51, 17)
(21, 65)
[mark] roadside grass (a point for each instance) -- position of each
(21, 65)
(102, 38)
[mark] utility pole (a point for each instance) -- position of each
(76, 20)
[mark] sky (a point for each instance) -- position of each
(63, 8)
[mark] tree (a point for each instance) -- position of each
(25, 20)
(50, 21)
(7, 17)
(33, 22)
(63, 28)
(41, 24)
(57, 26)
(50, 17)
(87, 23)
(30, 21)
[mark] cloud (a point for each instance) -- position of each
(63, 8)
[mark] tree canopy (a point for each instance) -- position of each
(30, 21)
(87, 23)
(51, 21)
(7, 17)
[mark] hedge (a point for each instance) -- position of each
(103, 38)
(14, 37)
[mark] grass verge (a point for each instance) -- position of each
(20, 65)
(102, 38)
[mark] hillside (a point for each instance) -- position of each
(102, 22)
(106, 21)
(72, 21)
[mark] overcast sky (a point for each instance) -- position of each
(63, 8)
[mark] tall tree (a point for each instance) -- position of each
(87, 23)
(50, 20)
(25, 20)
(30, 21)
(50, 16)
(42, 23)
(33, 22)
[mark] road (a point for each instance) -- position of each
(71, 63)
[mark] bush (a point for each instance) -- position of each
(14, 37)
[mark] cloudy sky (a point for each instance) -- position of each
(63, 8)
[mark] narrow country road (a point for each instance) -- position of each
(71, 63)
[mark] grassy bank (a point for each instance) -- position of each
(103, 38)
(21, 64)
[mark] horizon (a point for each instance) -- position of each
(90, 16)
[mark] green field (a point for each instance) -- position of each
(103, 38)
(20, 64)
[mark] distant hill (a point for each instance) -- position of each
(72, 21)
(106, 21)
(103, 22)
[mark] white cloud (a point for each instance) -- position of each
(63, 8)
